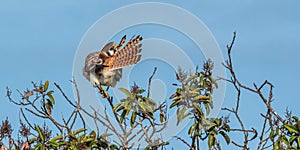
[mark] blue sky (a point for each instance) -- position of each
(38, 41)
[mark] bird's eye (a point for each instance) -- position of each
(99, 62)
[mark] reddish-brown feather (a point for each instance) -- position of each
(127, 56)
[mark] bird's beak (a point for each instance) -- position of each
(104, 66)
(115, 46)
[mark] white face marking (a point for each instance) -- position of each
(111, 52)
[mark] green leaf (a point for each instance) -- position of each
(51, 97)
(201, 79)
(120, 108)
(53, 144)
(141, 105)
(151, 101)
(150, 114)
(213, 132)
(226, 127)
(123, 116)
(72, 136)
(210, 102)
(87, 140)
(295, 118)
(46, 85)
(133, 117)
(176, 102)
(106, 135)
(116, 106)
(113, 147)
(126, 105)
(32, 140)
(38, 147)
(213, 81)
(126, 92)
(50, 92)
(148, 107)
(81, 136)
(141, 91)
(272, 136)
(204, 98)
(161, 117)
(41, 135)
(59, 137)
(164, 143)
(198, 109)
(200, 127)
(211, 141)
(178, 91)
(204, 84)
(191, 78)
(49, 102)
(192, 128)
(49, 106)
(92, 134)
(276, 146)
(73, 146)
(180, 114)
(218, 121)
(226, 137)
(61, 143)
(291, 128)
(79, 131)
(173, 96)
(207, 108)
(284, 140)
(195, 92)
(210, 127)
(277, 131)
(292, 139)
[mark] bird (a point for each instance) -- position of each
(105, 67)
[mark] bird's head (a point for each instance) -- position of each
(110, 49)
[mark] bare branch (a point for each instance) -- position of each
(185, 142)
(150, 79)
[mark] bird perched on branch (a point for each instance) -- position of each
(105, 67)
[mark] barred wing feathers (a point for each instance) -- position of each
(127, 56)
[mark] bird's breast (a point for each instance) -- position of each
(108, 78)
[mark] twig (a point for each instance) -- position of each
(257, 90)
(261, 137)
(150, 79)
(64, 95)
(185, 142)
(24, 116)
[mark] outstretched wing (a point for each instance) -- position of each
(127, 56)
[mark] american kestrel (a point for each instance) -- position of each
(105, 67)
